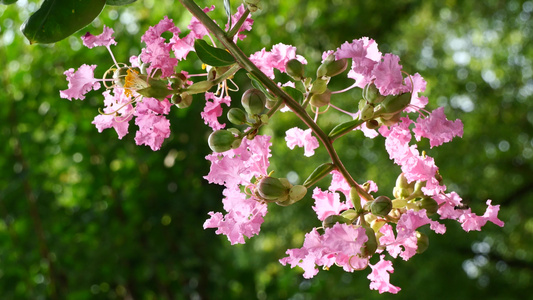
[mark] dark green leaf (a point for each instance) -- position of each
(57, 19)
(212, 56)
(7, 2)
(294, 93)
(344, 128)
(119, 2)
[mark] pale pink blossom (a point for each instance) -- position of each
(213, 110)
(154, 128)
(340, 244)
(416, 84)
(246, 25)
(157, 50)
(197, 28)
(365, 56)
(104, 39)
(80, 82)
(302, 138)
(380, 277)
(118, 112)
(328, 203)
(471, 221)
(437, 128)
(388, 76)
(277, 58)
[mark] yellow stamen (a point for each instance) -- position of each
(133, 82)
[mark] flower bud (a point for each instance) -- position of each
(319, 100)
(185, 100)
(403, 188)
(175, 82)
(271, 188)
(367, 112)
(381, 206)
(331, 67)
(295, 69)
(429, 204)
(221, 140)
(372, 124)
(355, 198)
(350, 214)
(422, 242)
(199, 87)
(393, 104)
(377, 224)
(297, 192)
(237, 116)
(371, 94)
(319, 86)
(370, 246)
(331, 220)
(253, 101)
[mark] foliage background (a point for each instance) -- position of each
(84, 215)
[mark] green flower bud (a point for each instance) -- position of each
(403, 189)
(355, 198)
(331, 220)
(372, 124)
(237, 116)
(183, 101)
(422, 241)
(319, 86)
(295, 69)
(429, 204)
(370, 246)
(377, 224)
(175, 82)
(221, 140)
(393, 104)
(367, 112)
(371, 94)
(272, 189)
(331, 67)
(319, 100)
(381, 206)
(350, 214)
(297, 192)
(253, 101)
(417, 193)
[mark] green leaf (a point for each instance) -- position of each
(7, 2)
(212, 56)
(319, 173)
(57, 19)
(258, 85)
(119, 2)
(294, 93)
(344, 128)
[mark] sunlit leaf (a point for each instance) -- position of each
(57, 19)
(212, 56)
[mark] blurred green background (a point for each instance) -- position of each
(84, 215)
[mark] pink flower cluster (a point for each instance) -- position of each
(235, 169)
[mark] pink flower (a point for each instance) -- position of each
(340, 244)
(416, 84)
(280, 54)
(437, 128)
(197, 28)
(338, 183)
(157, 51)
(362, 61)
(380, 277)
(104, 39)
(388, 74)
(80, 82)
(154, 32)
(301, 138)
(154, 128)
(117, 111)
(182, 46)
(244, 217)
(213, 110)
(471, 221)
(327, 204)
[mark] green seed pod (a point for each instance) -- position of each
(253, 101)
(295, 69)
(422, 241)
(221, 140)
(381, 206)
(370, 246)
(372, 124)
(319, 100)
(185, 102)
(331, 220)
(272, 189)
(297, 192)
(367, 112)
(429, 204)
(393, 104)
(237, 116)
(372, 95)
(175, 82)
(332, 67)
(319, 86)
